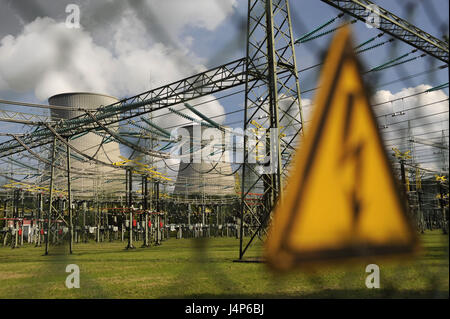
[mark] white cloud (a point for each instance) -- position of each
(205, 14)
(426, 114)
(423, 116)
(173, 17)
(49, 59)
(119, 58)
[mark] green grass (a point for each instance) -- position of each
(190, 268)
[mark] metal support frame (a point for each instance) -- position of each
(145, 207)
(39, 217)
(50, 201)
(69, 199)
(272, 93)
(158, 217)
(85, 233)
(224, 77)
(15, 238)
(271, 55)
(129, 182)
(395, 26)
(444, 224)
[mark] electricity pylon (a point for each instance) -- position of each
(272, 92)
(53, 213)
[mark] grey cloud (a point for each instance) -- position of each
(26, 10)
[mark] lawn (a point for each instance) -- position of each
(190, 268)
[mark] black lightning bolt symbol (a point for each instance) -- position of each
(353, 153)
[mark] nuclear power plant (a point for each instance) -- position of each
(282, 156)
(92, 144)
(205, 177)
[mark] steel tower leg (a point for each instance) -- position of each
(158, 216)
(145, 206)
(50, 202)
(69, 199)
(130, 207)
(39, 216)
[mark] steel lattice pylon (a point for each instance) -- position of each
(272, 103)
(53, 214)
(395, 26)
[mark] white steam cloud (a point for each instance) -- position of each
(118, 50)
(121, 58)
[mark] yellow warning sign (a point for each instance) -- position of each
(341, 200)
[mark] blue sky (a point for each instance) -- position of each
(218, 45)
(313, 13)
(123, 50)
(309, 14)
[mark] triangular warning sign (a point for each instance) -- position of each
(341, 200)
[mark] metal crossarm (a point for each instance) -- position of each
(127, 143)
(23, 118)
(215, 80)
(395, 26)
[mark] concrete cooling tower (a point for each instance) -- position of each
(207, 177)
(90, 144)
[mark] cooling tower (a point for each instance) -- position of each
(87, 185)
(209, 177)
